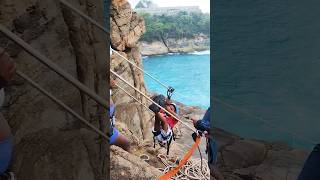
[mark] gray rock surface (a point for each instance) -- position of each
(49, 142)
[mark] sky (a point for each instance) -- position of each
(204, 5)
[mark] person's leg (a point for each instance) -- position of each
(6, 147)
(119, 140)
(5, 130)
(157, 123)
(6, 144)
(161, 122)
(122, 142)
(214, 172)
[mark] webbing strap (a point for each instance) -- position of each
(185, 159)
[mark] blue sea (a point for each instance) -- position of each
(267, 62)
(188, 74)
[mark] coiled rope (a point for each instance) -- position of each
(191, 170)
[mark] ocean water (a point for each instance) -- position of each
(267, 62)
(188, 74)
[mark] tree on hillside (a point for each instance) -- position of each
(180, 25)
(146, 4)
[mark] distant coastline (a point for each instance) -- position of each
(204, 52)
(184, 45)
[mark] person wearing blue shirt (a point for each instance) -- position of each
(7, 70)
(311, 168)
(204, 125)
(115, 137)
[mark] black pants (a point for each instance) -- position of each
(311, 168)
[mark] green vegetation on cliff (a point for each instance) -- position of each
(180, 25)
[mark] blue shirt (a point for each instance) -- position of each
(204, 124)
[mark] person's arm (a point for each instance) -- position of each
(204, 124)
(7, 68)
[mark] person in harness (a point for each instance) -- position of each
(7, 70)
(203, 126)
(115, 137)
(164, 122)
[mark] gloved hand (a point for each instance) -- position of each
(159, 99)
(196, 134)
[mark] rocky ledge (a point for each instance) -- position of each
(170, 45)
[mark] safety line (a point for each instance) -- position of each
(133, 97)
(46, 61)
(136, 66)
(107, 31)
(148, 98)
(60, 103)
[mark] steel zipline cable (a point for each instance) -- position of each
(60, 103)
(149, 99)
(46, 61)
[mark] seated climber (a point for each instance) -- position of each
(115, 137)
(204, 127)
(164, 122)
(7, 70)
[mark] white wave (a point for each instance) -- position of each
(201, 52)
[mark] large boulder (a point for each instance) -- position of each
(126, 26)
(244, 153)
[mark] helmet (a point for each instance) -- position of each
(176, 108)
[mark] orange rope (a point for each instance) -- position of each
(182, 162)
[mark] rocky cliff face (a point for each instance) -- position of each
(49, 142)
(126, 29)
(185, 45)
